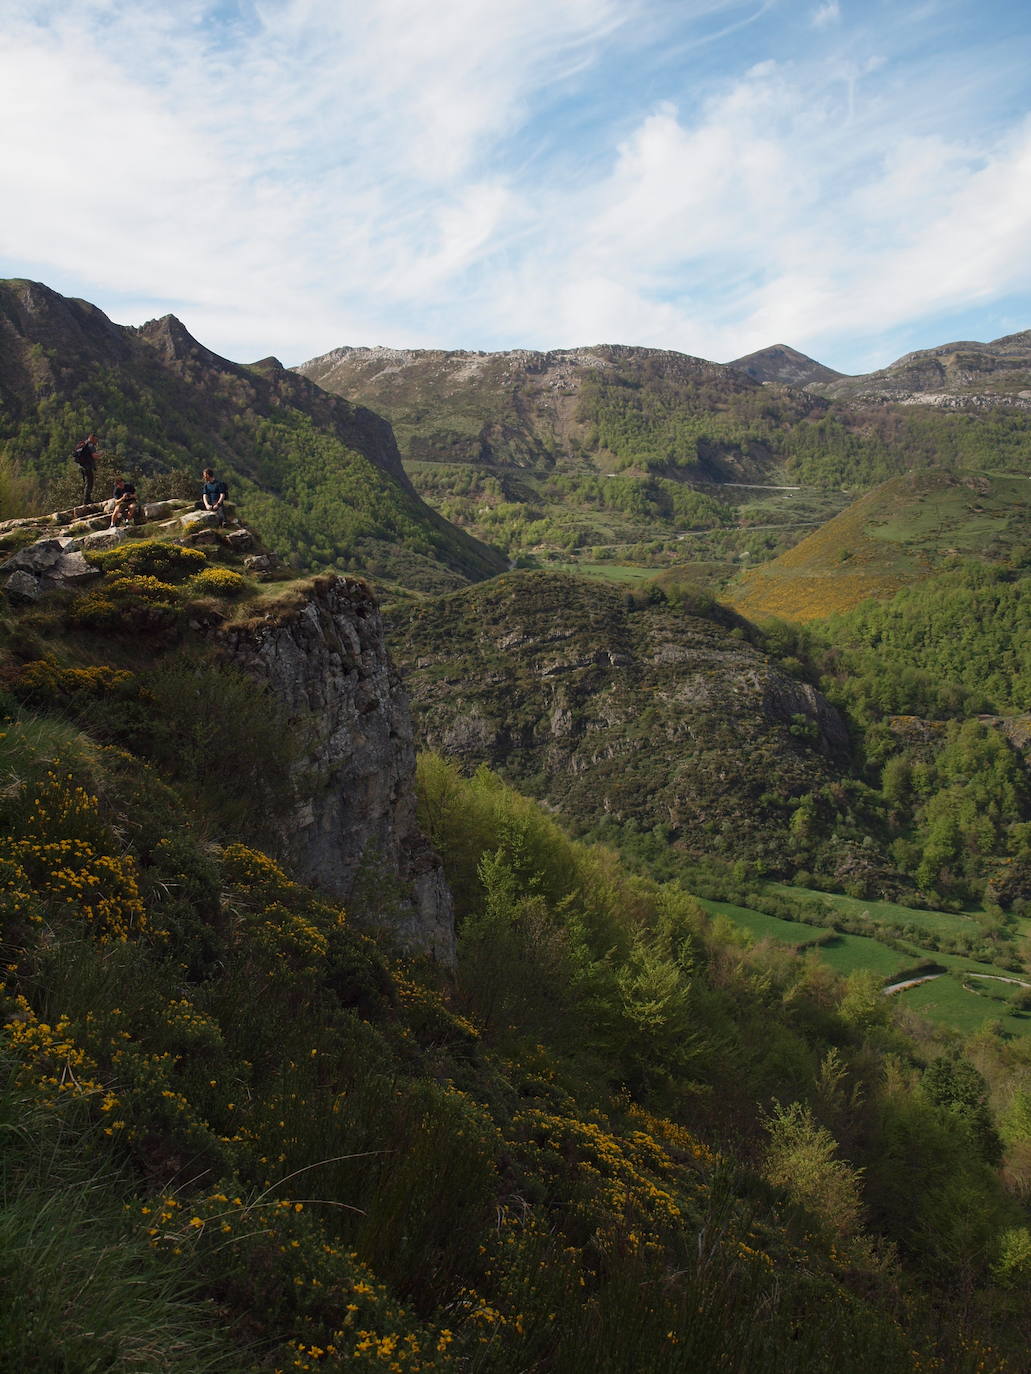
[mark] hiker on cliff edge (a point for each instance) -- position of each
(213, 494)
(86, 454)
(127, 504)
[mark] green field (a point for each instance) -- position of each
(943, 999)
(763, 927)
(605, 572)
(886, 913)
(849, 953)
(946, 1000)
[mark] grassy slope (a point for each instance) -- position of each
(894, 535)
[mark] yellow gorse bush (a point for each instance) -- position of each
(50, 1062)
(217, 582)
(43, 680)
(60, 859)
(619, 1173)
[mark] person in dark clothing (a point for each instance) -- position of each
(214, 494)
(127, 503)
(86, 454)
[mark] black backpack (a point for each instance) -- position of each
(83, 454)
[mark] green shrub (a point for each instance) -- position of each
(137, 603)
(151, 557)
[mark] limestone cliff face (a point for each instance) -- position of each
(325, 659)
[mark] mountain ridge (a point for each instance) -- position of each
(322, 475)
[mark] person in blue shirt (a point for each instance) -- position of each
(214, 494)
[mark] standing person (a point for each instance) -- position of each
(214, 493)
(86, 454)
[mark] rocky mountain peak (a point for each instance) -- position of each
(170, 337)
(781, 363)
(67, 329)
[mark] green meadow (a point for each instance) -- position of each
(967, 995)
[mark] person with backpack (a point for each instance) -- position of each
(86, 454)
(214, 494)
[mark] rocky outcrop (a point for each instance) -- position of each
(55, 562)
(353, 830)
(47, 565)
(963, 375)
(623, 711)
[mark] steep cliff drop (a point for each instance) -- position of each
(353, 826)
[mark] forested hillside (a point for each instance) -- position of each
(675, 1014)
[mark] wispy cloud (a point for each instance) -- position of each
(290, 176)
(826, 15)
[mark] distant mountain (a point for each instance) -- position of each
(612, 449)
(321, 477)
(537, 411)
(894, 535)
(951, 376)
(786, 365)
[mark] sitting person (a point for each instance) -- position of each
(127, 504)
(214, 494)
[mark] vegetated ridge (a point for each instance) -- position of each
(320, 476)
(896, 534)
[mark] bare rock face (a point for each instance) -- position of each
(354, 824)
(21, 588)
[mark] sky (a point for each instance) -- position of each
(849, 177)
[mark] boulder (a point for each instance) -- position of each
(71, 570)
(240, 540)
(199, 519)
(22, 523)
(36, 558)
(158, 510)
(260, 563)
(204, 536)
(21, 588)
(105, 539)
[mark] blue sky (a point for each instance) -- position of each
(853, 179)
